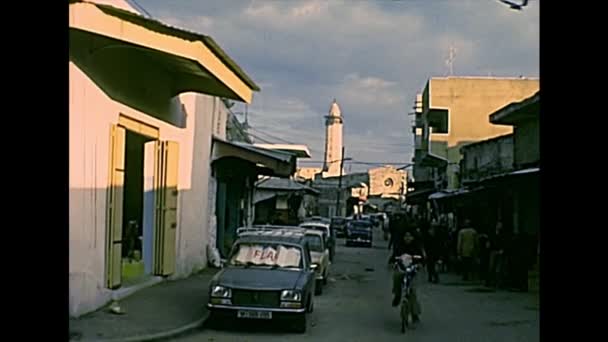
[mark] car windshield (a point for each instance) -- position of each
(314, 242)
(323, 229)
(266, 255)
(360, 225)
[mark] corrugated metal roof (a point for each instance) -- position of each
(283, 156)
(223, 148)
(513, 107)
(301, 151)
(284, 184)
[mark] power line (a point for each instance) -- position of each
(271, 136)
(140, 7)
(357, 162)
(279, 139)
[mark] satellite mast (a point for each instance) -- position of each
(450, 61)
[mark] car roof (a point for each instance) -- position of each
(286, 229)
(265, 237)
(314, 224)
(272, 234)
(317, 219)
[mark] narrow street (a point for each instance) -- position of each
(355, 306)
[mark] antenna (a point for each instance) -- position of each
(450, 61)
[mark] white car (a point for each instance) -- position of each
(319, 254)
(330, 238)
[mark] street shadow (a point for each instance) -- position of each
(260, 327)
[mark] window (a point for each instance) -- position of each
(388, 182)
(315, 242)
(266, 255)
(438, 119)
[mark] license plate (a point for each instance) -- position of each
(254, 314)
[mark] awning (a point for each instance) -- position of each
(433, 161)
(509, 175)
(284, 185)
(517, 111)
(441, 194)
(526, 171)
(259, 196)
(418, 195)
(301, 151)
(445, 194)
(271, 163)
(194, 62)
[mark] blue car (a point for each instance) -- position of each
(359, 232)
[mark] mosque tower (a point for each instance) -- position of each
(333, 141)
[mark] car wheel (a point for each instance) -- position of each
(318, 288)
(301, 324)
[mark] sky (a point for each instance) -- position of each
(372, 56)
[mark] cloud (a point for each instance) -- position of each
(373, 56)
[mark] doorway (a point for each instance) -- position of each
(137, 242)
(141, 204)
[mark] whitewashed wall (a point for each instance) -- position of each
(91, 115)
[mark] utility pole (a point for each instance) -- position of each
(340, 183)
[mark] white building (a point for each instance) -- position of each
(140, 148)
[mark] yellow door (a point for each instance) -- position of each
(165, 207)
(113, 260)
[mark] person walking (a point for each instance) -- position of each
(398, 226)
(467, 245)
(484, 257)
(497, 257)
(432, 246)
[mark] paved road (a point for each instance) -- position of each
(355, 306)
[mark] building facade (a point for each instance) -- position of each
(308, 173)
(236, 169)
(382, 185)
(283, 201)
(500, 183)
(524, 180)
(141, 108)
(452, 112)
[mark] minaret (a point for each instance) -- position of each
(333, 141)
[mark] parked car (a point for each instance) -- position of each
(330, 237)
(320, 257)
(359, 232)
(338, 225)
(317, 219)
(268, 275)
(374, 219)
(315, 238)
